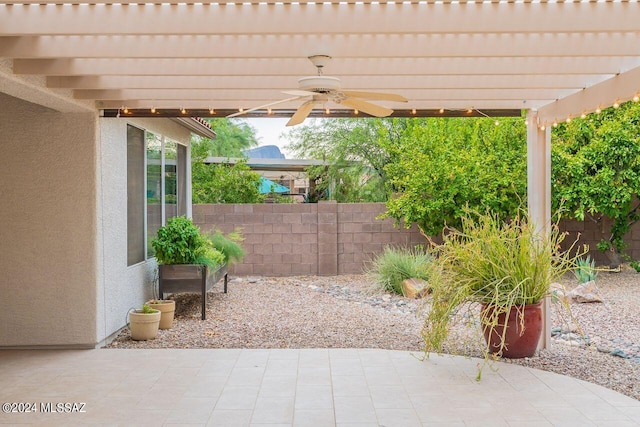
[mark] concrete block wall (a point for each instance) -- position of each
(306, 239)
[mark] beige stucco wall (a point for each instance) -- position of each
(48, 225)
(120, 287)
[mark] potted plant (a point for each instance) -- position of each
(144, 323)
(187, 260)
(504, 270)
(167, 308)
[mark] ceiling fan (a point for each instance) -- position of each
(317, 90)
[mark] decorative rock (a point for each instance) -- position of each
(619, 353)
(414, 288)
(585, 292)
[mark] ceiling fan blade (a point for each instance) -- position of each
(299, 92)
(367, 107)
(303, 111)
(376, 96)
(261, 107)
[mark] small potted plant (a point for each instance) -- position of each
(504, 270)
(167, 308)
(144, 323)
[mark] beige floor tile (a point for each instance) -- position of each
(353, 409)
(389, 397)
(280, 367)
(246, 376)
(278, 386)
(238, 398)
(273, 410)
(314, 376)
(346, 367)
(313, 418)
(192, 410)
(398, 418)
(314, 397)
(348, 385)
(230, 418)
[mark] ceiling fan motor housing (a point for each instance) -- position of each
(319, 84)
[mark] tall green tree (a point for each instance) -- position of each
(233, 136)
(354, 153)
(224, 183)
(596, 172)
(440, 166)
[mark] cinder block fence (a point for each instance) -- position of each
(332, 238)
(326, 238)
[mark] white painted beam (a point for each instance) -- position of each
(339, 45)
(248, 103)
(317, 18)
(270, 94)
(337, 67)
(620, 88)
(377, 83)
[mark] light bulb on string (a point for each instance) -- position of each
(269, 111)
(441, 111)
(543, 128)
(125, 110)
(153, 110)
(356, 112)
(497, 123)
(327, 111)
(636, 98)
(183, 111)
(212, 111)
(568, 120)
(583, 115)
(598, 110)
(413, 111)
(555, 124)
(616, 104)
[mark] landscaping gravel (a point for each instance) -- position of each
(342, 312)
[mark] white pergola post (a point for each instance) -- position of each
(539, 195)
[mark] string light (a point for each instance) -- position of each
(356, 112)
(183, 111)
(616, 104)
(526, 122)
(327, 111)
(240, 110)
(125, 110)
(153, 110)
(441, 111)
(413, 111)
(555, 124)
(469, 111)
(598, 110)
(543, 128)
(636, 98)
(568, 120)
(497, 123)
(212, 111)
(583, 115)
(269, 111)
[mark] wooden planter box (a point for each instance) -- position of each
(190, 278)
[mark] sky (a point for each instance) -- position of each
(269, 131)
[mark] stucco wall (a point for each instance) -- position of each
(47, 212)
(120, 287)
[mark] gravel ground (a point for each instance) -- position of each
(341, 312)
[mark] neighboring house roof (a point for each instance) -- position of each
(288, 165)
(197, 125)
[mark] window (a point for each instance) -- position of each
(156, 188)
(135, 195)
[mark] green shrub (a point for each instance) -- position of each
(180, 242)
(228, 245)
(585, 270)
(395, 265)
(635, 265)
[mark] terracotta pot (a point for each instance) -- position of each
(167, 309)
(518, 342)
(144, 326)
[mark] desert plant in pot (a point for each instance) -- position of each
(167, 309)
(503, 268)
(144, 323)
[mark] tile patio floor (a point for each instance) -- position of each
(315, 387)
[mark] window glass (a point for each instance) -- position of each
(170, 179)
(154, 188)
(182, 180)
(135, 195)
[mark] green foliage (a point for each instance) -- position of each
(146, 309)
(596, 171)
(393, 266)
(228, 245)
(232, 138)
(440, 166)
(355, 155)
(489, 261)
(635, 265)
(180, 242)
(225, 183)
(585, 270)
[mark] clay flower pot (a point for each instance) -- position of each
(144, 326)
(167, 309)
(522, 334)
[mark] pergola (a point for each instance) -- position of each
(555, 59)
